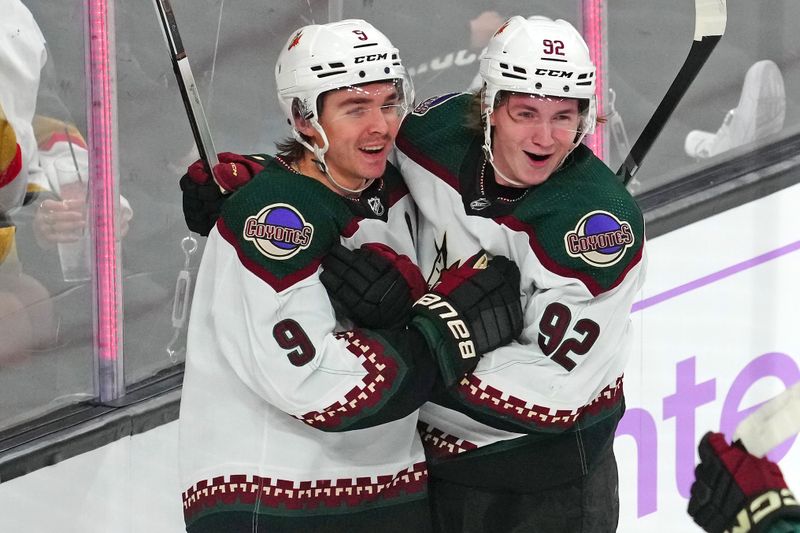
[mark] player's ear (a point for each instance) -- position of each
(302, 122)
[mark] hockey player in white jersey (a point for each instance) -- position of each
(289, 421)
(524, 443)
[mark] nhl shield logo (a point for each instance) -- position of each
(376, 205)
(278, 231)
(480, 204)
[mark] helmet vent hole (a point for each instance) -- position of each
(361, 74)
(520, 70)
(386, 70)
(566, 88)
(336, 65)
(331, 73)
(316, 68)
(538, 85)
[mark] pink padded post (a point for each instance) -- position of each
(594, 19)
(100, 74)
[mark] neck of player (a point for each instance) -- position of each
(342, 186)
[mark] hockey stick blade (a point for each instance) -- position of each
(188, 88)
(710, 20)
(772, 423)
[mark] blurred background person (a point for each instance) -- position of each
(25, 311)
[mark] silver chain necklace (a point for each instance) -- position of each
(503, 198)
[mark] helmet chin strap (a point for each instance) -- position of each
(487, 150)
(499, 173)
(319, 159)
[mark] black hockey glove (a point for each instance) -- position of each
(474, 309)
(373, 286)
(734, 490)
(202, 198)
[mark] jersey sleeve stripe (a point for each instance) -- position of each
(377, 386)
(352, 227)
(397, 194)
(278, 284)
(588, 281)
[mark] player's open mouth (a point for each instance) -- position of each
(537, 158)
(372, 149)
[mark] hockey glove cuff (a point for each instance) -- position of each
(202, 199)
(373, 286)
(735, 490)
(474, 309)
(232, 171)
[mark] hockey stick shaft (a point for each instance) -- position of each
(772, 423)
(188, 88)
(710, 21)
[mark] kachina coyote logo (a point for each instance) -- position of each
(599, 238)
(295, 40)
(278, 231)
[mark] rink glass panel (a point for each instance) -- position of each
(232, 47)
(47, 346)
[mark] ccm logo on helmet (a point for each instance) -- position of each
(371, 57)
(457, 327)
(553, 73)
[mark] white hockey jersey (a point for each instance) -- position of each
(282, 418)
(538, 411)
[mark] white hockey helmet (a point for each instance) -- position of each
(323, 57)
(538, 56)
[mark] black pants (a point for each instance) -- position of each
(410, 517)
(587, 505)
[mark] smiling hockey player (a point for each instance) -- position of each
(524, 443)
(290, 422)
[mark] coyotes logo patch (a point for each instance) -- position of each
(278, 231)
(599, 239)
